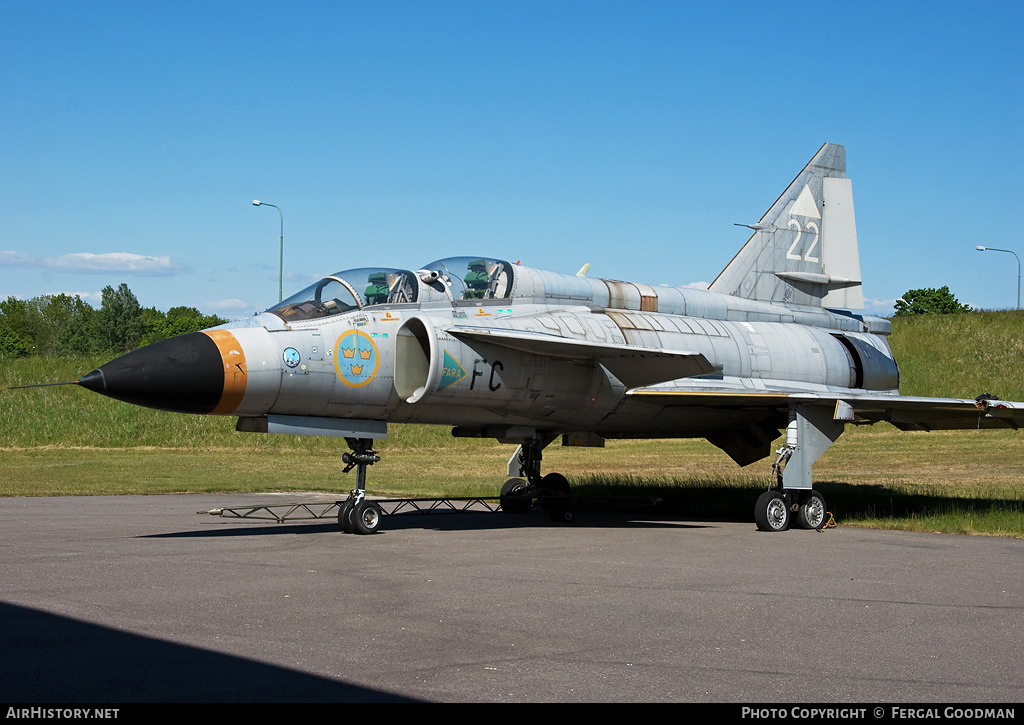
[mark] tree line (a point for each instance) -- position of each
(62, 325)
(928, 301)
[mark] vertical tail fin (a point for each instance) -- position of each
(804, 249)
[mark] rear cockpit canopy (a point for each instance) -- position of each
(349, 290)
(474, 278)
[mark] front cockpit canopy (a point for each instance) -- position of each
(349, 290)
(474, 278)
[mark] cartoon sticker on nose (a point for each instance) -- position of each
(356, 358)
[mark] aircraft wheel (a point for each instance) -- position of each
(515, 497)
(555, 483)
(554, 494)
(344, 516)
(771, 512)
(366, 518)
(812, 511)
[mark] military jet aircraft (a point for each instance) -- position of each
(502, 350)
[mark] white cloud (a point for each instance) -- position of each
(230, 305)
(232, 309)
(89, 263)
(17, 259)
(93, 298)
(882, 308)
(124, 262)
(691, 285)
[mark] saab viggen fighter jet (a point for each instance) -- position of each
(501, 350)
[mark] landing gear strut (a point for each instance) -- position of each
(357, 515)
(551, 491)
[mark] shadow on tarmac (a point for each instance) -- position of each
(440, 520)
(48, 658)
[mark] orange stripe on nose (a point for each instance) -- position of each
(234, 371)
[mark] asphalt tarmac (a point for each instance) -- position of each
(142, 599)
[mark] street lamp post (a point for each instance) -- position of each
(280, 272)
(993, 249)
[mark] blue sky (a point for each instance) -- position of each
(630, 135)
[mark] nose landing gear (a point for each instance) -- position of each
(357, 515)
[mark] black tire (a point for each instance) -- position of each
(516, 497)
(366, 518)
(771, 512)
(553, 496)
(555, 483)
(344, 518)
(812, 513)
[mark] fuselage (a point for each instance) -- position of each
(385, 344)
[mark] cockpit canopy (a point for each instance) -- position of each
(454, 278)
(474, 278)
(349, 290)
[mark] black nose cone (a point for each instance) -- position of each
(184, 374)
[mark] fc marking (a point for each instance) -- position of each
(496, 366)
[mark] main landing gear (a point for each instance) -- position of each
(551, 491)
(777, 509)
(812, 428)
(358, 515)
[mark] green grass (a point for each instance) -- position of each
(68, 441)
(961, 356)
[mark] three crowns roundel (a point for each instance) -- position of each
(356, 358)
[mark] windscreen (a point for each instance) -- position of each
(349, 290)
